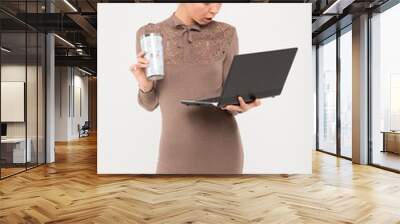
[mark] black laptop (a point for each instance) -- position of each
(251, 76)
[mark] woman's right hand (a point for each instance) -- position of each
(139, 71)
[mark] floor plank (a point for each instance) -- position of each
(70, 191)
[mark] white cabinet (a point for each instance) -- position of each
(18, 149)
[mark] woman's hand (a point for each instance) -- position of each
(139, 72)
(233, 109)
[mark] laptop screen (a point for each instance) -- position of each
(257, 75)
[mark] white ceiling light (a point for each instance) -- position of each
(338, 6)
(65, 41)
(70, 5)
(5, 50)
(84, 71)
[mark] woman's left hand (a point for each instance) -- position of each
(243, 107)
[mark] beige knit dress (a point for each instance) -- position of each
(194, 140)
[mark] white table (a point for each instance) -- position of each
(19, 149)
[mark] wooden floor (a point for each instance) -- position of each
(8, 171)
(5, 172)
(70, 191)
(387, 159)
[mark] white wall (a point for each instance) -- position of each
(80, 83)
(61, 103)
(277, 137)
(68, 81)
(33, 127)
(16, 72)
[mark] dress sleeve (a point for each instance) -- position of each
(231, 49)
(148, 100)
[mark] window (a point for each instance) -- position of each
(22, 77)
(327, 96)
(385, 89)
(346, 75)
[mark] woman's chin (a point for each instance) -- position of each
(205, 21)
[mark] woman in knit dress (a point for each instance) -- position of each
(198, 52)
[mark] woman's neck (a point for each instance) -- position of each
(182, 15)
